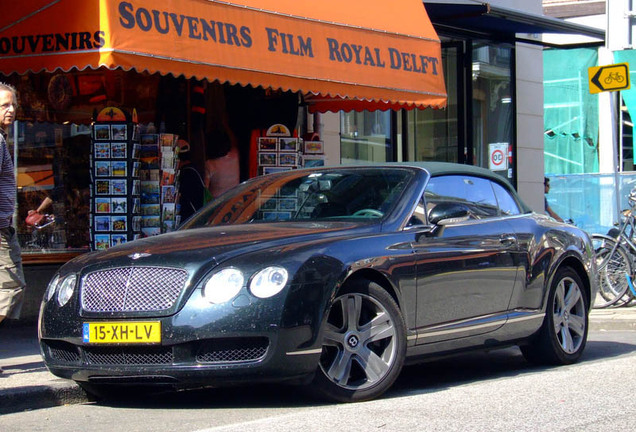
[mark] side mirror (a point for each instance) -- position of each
(448, 212)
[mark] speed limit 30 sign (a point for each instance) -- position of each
(498, 156)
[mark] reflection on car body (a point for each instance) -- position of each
(329, 277)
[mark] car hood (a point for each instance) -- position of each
(207, 246)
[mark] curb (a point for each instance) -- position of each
(620, 318)
(38, 397)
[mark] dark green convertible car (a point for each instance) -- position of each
(331, 278)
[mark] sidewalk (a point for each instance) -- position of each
(26, 384)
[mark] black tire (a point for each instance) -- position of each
(563, 335)
(614, 265)
(364, 344)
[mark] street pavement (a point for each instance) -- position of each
(26, 384)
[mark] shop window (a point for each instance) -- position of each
(433, 135)
(365, 137)
(51, 143)
(492, 108)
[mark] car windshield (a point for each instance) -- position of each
(347, 193)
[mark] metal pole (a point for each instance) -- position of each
(617, 142)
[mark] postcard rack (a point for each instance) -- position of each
(115, 184)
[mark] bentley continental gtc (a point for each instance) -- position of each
(331, 278)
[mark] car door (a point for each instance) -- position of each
(466, 269)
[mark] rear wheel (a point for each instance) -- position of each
(563, 335)
(614, 265)
(364, 344)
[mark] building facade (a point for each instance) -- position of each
(492, 114)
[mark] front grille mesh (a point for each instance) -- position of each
(210, 352)
(132, 289)
(232, 350)
(129, 356)
(63, 352)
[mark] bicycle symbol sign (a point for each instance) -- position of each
(609, 78)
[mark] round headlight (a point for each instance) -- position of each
(50, 290)
(66, 289)
(268, 282)
(223, 286)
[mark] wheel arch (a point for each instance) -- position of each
(576, 265)
(376, 277)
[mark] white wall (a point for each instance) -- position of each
(530, 154)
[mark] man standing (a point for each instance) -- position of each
(548, 209)
(11, 275)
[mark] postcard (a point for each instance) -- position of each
(102, 205)
(118, 131)
(118, 223)
(267, 159)
(117, 239)
(168, 212)
(118, 187)
(310, 161)
(102, 241)
(168, 194)
(151, 221)
(118, 168)
(102, 150)
(102, 187)
(136, 223)
(102, 132)
(102, 223)
(102, 168)
(314, 147)
(288, 144)
(267, 144)
(288, 159)
(118, 150)
(119, 204)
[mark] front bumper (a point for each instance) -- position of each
(211, 361)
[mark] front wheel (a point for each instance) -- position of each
(563, 335)
(364, 344)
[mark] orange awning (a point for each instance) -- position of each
(354, 53)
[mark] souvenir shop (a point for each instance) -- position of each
(133, 114)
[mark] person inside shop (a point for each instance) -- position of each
(548, 209)
(222, 171)
(192, 190)
(11, 274)
(46, 203)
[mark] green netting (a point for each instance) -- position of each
(570, 112)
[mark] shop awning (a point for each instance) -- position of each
(376, 53)
(482, 19)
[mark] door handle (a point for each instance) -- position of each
(508, 239)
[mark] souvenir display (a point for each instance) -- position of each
(158, 172)
(115, 209)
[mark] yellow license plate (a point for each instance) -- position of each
(137, 332)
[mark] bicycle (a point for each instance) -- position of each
(616, 260)
(41, 231)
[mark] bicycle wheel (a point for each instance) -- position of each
(614, 264)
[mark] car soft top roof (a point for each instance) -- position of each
(445, 168)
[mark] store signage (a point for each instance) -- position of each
(608, 78)
(234, 42)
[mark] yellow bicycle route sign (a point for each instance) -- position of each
(608, 78)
